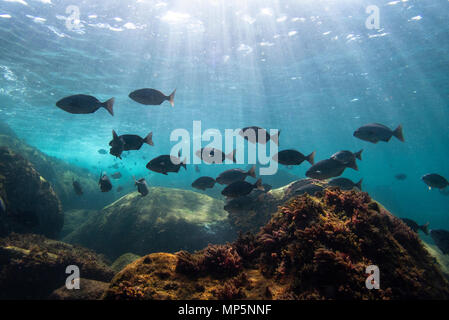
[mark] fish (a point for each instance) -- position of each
(142, 186)
(415, 226)
(441, 239)
(241, 188)
(77, 187)
(203, 183)
(240, 205)
(117, 145)
(166, 163)
(116, 175)
(375, 132)
(102, 151)
(293, 158)
(104, 183)
(348, 158)
(401, 176)
(2, 206)
(229, 176)
(128, 142)
(197, 169)
(212, 155)
(345, 184)
(83, 104)
(310, 189)
(434, 180)
(119, 189)
(259, 135)
(326, 169)
(152, 97)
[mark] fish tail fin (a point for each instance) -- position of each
(231, 156)
(353, 165)
(258, 185)
(398, 133)
(275, 137)
(252, 171)
(149, 139)
(171, 98)
(359, 184)
(425, 228)
(311, 158)
(108, 105)
(358, 155)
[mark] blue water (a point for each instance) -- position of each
(309, 68)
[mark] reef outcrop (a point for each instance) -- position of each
(314, 247)
(59, 174)
(30, 204)
(165, 220)
(32, 267)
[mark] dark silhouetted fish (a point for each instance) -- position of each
(117, 145)
(259, 135)
(401, 176)
(241, 188)
(102, 151)
(345, 184)
(434, 180)
(441, 239)
(240, 204)
(77, 187)
(2, 206)
(81, 104)
(116, 175)
(166, 163)
(310, 189)
(128, 142)
(203, 183)
(212, 155)
(233, 175)
(348, 158)
(142, 186)
(293, 158)
(152, 97)
(415, 226)
(326, 169)
(375, 132)
(104, 183)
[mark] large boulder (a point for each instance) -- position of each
(32, 266)
(31, 204)
(59, 174)
(164, 220)
(314, 247)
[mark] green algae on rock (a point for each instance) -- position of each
(32, 266)
(122, 261)
(313, 248)
(31, 204)
(165, 220)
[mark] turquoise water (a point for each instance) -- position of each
(309, 68)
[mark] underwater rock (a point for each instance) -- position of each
(73, 219)
(122, 261)
(59, 174)
(89, 290)
(259, 212)
(31, 204)
(165, 220)
(32, 266)
(441, 258)
(314, 247)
